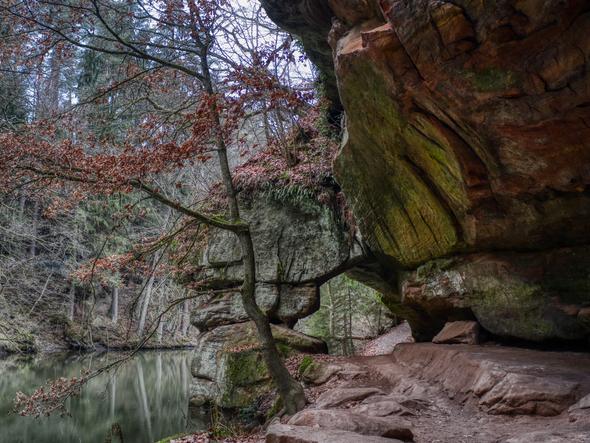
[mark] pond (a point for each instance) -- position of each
(147, 397)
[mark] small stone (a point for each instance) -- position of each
(463, 332)
(584, 403)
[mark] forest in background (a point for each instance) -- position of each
(48, 240)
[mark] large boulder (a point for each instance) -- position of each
(298, 246)
(228, 368)
(533, 296)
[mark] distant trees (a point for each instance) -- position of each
(165, 86)
(349, 313)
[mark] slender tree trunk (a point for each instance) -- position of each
(146, 299)
(34, 230)
(185, 318)
(72, 302)
(331, 326)
(160, 331)
(115, 305)
(290, 391)
(349, 342)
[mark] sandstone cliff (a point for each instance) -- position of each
(466, 155)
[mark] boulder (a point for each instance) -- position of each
(298, 246)
(295, 243)
(465, 332)
(227, 308)
(386, 343)
(228, 368)
(345, 420)
(278, 433)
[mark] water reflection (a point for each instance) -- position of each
(144, 400)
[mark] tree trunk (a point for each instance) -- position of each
(71, 302)
(115, 305)
(331, 326)
(160, 331)
(146, 299)
(290, 391)
(185, 318)
(34, 230)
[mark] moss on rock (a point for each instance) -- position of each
(386, 158)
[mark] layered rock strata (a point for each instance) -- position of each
(467, 135)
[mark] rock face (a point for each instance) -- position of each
(467, 131)
(298, 247)
(228, 368)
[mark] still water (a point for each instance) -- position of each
(147, 397)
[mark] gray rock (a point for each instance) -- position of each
(278, 433)
(227, 308)
(293, 244)
(346, 420)
(297, 247)
(228, 368)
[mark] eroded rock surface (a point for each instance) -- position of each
(298, 247)
(451, 393)
(467, 131)
(353, 422)
(502, 380)
(279, 433)
(386, 343)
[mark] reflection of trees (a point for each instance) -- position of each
(148, 397)
(144, 408)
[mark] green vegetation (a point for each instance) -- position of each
(349, 312)
(492, 79)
